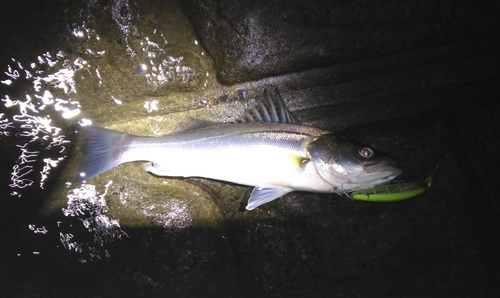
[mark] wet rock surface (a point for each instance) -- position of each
(416, 80)
(255, 39)
(303, 244)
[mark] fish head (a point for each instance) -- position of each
(348, 165)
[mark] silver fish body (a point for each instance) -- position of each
(276, 158)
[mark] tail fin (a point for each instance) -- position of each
(102, 151)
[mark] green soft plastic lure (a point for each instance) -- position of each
(391, 192)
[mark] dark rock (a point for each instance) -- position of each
(428, 98)
(253, 39)
(223, 97)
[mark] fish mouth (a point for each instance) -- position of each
(386, 165)
(383, 171)
(373, 174)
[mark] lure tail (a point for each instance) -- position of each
(103, 149)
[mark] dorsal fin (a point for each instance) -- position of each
(268, 108)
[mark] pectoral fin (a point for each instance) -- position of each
(261, 195)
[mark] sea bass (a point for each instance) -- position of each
(266, 148)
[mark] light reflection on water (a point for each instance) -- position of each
(43, 98)
(28, 125)
(90, 207)
(33, 125)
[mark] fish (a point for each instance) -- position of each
(266, 148)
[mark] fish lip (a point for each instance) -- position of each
(387, 165)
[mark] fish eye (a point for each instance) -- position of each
(365, 152)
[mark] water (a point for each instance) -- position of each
(117, 60)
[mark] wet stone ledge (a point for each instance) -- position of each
(418, 80)
(254, 39)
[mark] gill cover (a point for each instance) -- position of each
(323, 153)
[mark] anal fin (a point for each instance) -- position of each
(157, 169)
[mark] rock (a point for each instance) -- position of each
(254, 39)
